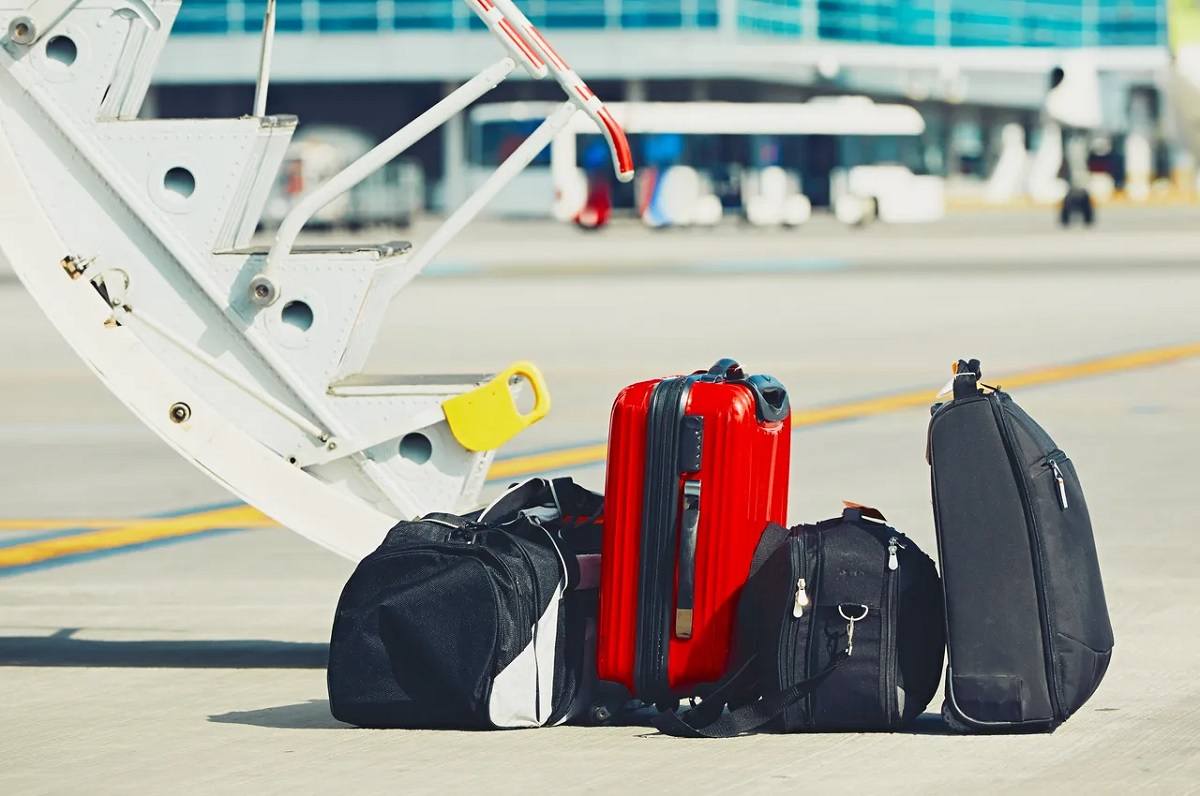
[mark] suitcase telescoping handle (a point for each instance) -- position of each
(690, 524)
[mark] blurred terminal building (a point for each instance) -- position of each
(977, 71)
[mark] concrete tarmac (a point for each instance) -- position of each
(198, 666)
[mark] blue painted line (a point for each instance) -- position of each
(437, 269)
(92, 555)
(41, 536)
(796, 266)
(225, 504)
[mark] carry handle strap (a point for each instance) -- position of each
(700, 723)
(519, 496)
(728, 369)
(567, 496)
(688, 530)
(967, 374)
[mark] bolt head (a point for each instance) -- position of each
(21, 31)
(263, 291)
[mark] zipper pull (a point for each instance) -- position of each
(893, 559)
(1062, 485)
(801, 598)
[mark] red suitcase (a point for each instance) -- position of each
(697, 466)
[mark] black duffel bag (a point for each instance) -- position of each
(839, 628)
(480, 621)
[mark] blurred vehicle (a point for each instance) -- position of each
(772, 197)
(392, 195)
(676, 196)
(1184, 85)
(692, 151)
(889, 192)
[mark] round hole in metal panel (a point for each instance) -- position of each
(416, 447)
(298, 315)
(179, 182)
(62, 49)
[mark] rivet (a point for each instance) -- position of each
(179, 412)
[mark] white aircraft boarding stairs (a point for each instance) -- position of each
(132, 235)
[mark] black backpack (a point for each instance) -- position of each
(480, 621)
(839, 628)
(1027, 624)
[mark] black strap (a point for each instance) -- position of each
(569, 497)
(701, 723)
(770, 539)
(737, 688)
(575, 501)
(509, 505)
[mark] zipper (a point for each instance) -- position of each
(1060, 483)
(786, 661)
(893, 562)
(660, 517)
(890, 661)
(813, 562)
(800, 571)
(801, 600)
(1010, 446)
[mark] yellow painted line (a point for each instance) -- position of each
(590, 454)
(132, 533)
(8, 526)
(107, 534)
(551, 460)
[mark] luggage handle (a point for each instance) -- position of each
(728, 369)
(686, 593)
(771, 402)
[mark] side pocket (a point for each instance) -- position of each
(989, 699)
(1080, 670)
(523, 692)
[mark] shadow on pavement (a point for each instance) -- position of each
(929, 724)
(311, 715)
(60, 649)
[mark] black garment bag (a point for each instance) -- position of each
(1027, 624)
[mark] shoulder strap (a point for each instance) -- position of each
(519, 496)
(562, 494)
(736, 687)
(715, 723)
(574, 501)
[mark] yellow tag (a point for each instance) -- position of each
(487, 417)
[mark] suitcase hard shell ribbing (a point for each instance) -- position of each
(1027, 626)
(697, 466)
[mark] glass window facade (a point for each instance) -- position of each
(951, 23)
